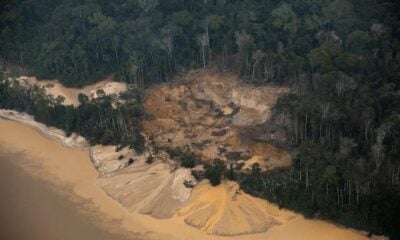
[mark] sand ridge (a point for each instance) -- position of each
(226, 210)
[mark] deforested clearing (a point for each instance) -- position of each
(70, 95)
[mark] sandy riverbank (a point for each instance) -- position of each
(50, 132)
(63, 166)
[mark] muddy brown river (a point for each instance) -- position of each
(31, 209)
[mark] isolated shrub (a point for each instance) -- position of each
(188, 161)
(214, 172)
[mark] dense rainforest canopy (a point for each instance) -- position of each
(81, 41)
(341, 58)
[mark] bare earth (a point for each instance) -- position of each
(54, 88)
(209, 113)
(50, 161)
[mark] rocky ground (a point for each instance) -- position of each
(208, 113)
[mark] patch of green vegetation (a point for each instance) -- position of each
(186, 159)
(214, 172)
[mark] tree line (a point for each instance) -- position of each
(101, 121)
(320, 186)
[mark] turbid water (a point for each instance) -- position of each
(31, 208)
(49, 192)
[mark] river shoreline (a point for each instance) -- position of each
(32, 208)
(74, 141)
(52, 162)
